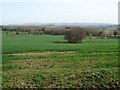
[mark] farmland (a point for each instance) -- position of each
(31, 61)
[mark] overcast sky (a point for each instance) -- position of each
(58, 11)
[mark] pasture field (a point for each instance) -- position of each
(32, 61)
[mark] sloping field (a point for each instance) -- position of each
(48, 61)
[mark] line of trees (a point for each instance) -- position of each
(72, 34)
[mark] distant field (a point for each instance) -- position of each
(49, 61)
(28, 43)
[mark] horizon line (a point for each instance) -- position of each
(59, 23)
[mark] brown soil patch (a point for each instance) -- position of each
(36, 53)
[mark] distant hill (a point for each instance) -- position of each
(87, 25)
(69, 24)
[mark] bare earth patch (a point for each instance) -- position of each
(36, 53)
(47, 71)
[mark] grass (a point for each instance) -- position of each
(32, 61)
(23, 43)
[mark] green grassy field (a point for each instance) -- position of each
(49, 61)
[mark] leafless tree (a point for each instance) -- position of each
(74, 34)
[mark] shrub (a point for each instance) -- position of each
(91, 31)
(56, 30)
(17, 33)
(115, 33)
(101, 34)
(74, 34)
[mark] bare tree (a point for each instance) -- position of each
(74, 34)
